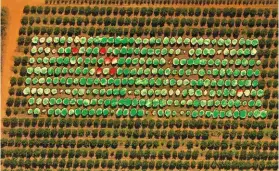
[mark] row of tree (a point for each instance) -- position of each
(4, 21)
(116, 123)
(139, 154)
(22, 102)
(17, 105)
(151, 11)
(60, 133)
(268, 43)
(140, 31)
(16, 102)
(116, 133)
(165, 2)
(137, 164)
(4, 24)
(141, 144)
(270, 73)
(270, 104)
(271, 63)
(154, 22)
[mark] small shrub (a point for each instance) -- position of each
(10, 101)
(26, 50)
(20, 40)
(11, 91)
(8, 111)
(23, 71)
(13, 81)
(17, 61)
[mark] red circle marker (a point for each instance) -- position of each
(74, 50)
(112, 71)
(107, 60)
(114, 61)
(103, 50)
(99, 71)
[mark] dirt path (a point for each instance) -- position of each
(15, 8)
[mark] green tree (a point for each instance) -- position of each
(266, 12)
(26, 9)
(24, 20)
(122, 11)
(10, 101)
(39, 9)
(197, 12)
(272, 23)
(53, 10)
(33, 9)
(274, 13)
